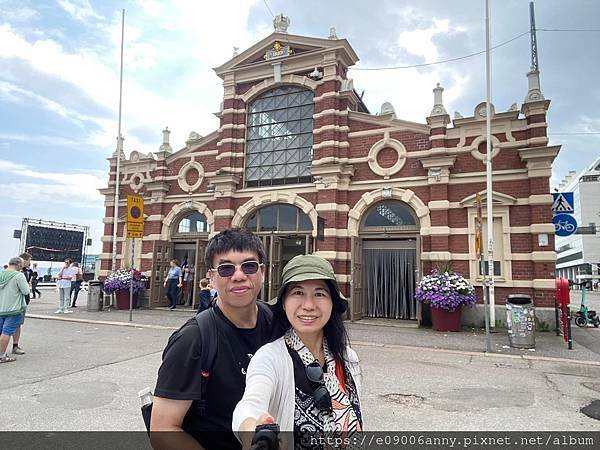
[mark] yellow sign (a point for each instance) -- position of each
(135, 216)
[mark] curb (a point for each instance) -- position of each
(482, 353)
(357, 343)
(101, 322)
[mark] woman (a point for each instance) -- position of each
(307, 380)
(173, 283)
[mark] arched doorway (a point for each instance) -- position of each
(286, 231)
(386, 252)
(186, 244)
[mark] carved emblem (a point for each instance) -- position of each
(278, 51)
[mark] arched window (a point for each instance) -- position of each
(279, 218)
(388, 214)
(193, 223)
(280, 137)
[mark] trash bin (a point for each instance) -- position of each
(94, 299)
(520, 320)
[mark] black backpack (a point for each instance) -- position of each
(207, 327)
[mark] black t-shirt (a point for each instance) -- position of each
(179, 376)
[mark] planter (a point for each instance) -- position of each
(444, 320)
(122, 297)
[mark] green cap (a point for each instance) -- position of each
(311, 267)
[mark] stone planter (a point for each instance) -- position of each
(444, 320)
(122, 299)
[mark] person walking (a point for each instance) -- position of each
(35, 276)
(13, 289)
(173, 283)
(75, 283)
(63, 283)
(199, 407)
(308, 379)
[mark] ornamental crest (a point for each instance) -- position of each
(278, 51)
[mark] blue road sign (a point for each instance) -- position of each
(564, 224)
(563, 202)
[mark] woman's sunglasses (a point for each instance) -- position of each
(321, 396)
(226, 270)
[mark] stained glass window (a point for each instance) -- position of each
(280, 137)
(389, 214)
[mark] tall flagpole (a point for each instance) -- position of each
(488, 171)
(119, 151)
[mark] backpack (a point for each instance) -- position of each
(207, 326)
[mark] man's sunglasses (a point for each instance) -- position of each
(321, 396)
(227, 270)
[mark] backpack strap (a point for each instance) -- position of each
(207, 326)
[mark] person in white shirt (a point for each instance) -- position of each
(63, 283)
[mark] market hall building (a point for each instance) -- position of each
(300, 160)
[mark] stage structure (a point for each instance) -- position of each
(54, 241)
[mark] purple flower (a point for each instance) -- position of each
(121, 280)
(445, 290)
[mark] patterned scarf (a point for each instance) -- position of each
(343, 421)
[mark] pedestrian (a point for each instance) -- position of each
(242, 325)
(173, 283)
(75, 283)
(63, 283)
(308, 379)
(34, 281)
(205, 298)
(27, 273)
(13, 288)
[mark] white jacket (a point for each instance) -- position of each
(270, 386)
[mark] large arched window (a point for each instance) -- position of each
(279, 218)
(390, 214)
(192, 223)
(280, 137)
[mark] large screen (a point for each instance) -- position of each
(53, 244)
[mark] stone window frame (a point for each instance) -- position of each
(181, 177)
(387, 142)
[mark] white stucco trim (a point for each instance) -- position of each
(178, 210)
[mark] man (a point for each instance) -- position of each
(28, 273)
(75, 283)
(63, 283)
(35, 275)
(236, 260)
(13, 288)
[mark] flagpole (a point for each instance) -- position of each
(119, 151)
(488, 171)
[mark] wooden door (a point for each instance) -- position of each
(200, 269)
(161, 255)
(356, 308)
(274, 267)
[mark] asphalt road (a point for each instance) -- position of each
(85, 376)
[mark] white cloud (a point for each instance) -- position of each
(79, 9)
(72, 189)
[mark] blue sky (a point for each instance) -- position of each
(59, 68)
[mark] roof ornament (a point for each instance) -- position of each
(438, 104)
(235, 51)
(165, 146)
(458, 115)
(315, 74)
(534, 93)
(281, 23)
(387, 108)
(332, 34)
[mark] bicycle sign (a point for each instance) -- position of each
(564, 224)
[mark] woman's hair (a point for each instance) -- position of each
(334, 330)
(174, 261)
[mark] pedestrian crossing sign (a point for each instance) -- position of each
(563, 203)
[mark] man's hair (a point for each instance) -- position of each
(68, 259)
(238, 239)
(204, 282)
(25, 256)
(17, 261)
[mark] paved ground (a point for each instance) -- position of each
(85, 376)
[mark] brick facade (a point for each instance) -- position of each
(360, 159)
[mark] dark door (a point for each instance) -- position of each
(389, 278)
